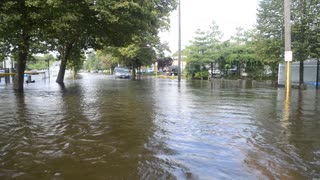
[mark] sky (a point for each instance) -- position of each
(199, 14)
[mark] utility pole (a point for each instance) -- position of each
(287, 38)
(179, 58)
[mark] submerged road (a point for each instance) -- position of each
(98, 127)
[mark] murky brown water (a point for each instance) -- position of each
(101, 128)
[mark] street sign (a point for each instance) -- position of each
(288, 56)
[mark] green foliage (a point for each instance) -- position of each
(236, 53)
(142, 52)
(69, 27)
(202, 75)
(144, 19)
(106, 61)
(76, 61)
(40, 62)
(21, 25)
(203, 49)
(164, 62)
(21, 32)
(92, 62)
(100, 60)
(305, 31)
(192, 68)
(203, 45)
(270, 39)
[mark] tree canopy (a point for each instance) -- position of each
(40, 62)
(305, 31)
(22, 25)
(208, 48)
(69, 27)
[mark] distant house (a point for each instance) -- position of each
(54, 69)
(8, 63)
(176, 63)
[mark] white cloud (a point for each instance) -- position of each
(198, 14)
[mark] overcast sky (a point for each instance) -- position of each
(198, 14)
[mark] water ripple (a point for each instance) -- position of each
(97, 127)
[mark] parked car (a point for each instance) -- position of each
(120, 72)
(150, 70)
(172, 71)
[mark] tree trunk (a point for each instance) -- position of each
(274, 74)
(139, 74)
(239, 70)
(133, 72)
(302, 49)
(211, 67)
(62, 70)
(65, 54)
(301, 80)
(21, 66)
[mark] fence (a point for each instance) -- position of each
(309, 73)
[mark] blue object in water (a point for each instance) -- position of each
(312, 83)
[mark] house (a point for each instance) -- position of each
(176, 63)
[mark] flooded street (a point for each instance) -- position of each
(98, 127)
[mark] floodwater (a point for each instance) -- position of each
(97, 127)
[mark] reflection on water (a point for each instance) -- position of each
(100, 128)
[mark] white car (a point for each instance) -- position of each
(120, 72)
(215, 72)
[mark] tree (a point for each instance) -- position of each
(141, 52)
(106, 61)
(164, 62)
(145, 46)
(40, 62)
(92, 62)
(314, 30)
(237, 53)
(99, 60)
(197, 54)
(214, 36)
(223, 52)
(243, 54)
(199, 48)
(3, 49)
(270, 39)
(21, 26)
(202, 50)
(84, 24)
(70, 27)
(305, 31)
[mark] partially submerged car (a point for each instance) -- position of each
(121, 72)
